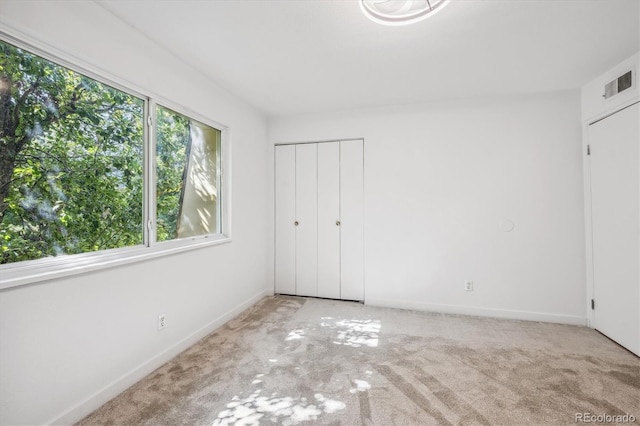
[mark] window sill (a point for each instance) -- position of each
(35, 271)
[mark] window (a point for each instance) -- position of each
(187, 165)
(71, 161)
(79, 172)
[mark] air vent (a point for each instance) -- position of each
(620, 84)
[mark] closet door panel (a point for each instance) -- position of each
(615, 211)
(307, 218)
(328, 220)
(285, 233)
(352, 223)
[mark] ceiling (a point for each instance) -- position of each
(297, 56)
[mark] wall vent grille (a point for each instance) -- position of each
(620, 84)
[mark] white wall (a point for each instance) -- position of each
(439, 180)
(68, 345)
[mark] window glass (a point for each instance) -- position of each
(71, 161)
(188, 177)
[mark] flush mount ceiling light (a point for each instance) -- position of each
(400, 12)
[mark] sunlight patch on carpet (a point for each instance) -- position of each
(354, 332)
(360, 386)
(285, 410)
(295, 334)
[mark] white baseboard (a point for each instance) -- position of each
(478, 311)
(99, 398)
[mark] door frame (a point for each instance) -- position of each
(588, 220)
(364, 183)
(317, 141)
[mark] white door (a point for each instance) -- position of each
(285, 216)
(351, 220)
(615, 196)
(329, 220)
(306, 200)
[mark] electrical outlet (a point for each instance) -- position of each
(468, 285)
(162, 321)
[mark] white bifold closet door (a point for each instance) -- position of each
(285, 233)
(319, 220)
(329, 220)
(306, 223)
(352, 223)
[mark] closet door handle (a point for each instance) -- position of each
(296, 223)
(337, 223)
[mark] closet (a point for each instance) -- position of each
(319, 229)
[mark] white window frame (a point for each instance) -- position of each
(49, 268)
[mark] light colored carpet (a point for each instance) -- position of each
(291, 360)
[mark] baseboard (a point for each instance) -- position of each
(478, 311)
(99, 398)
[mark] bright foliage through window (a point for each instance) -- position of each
(72, 155)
